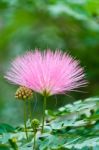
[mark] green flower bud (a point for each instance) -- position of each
(35, 124)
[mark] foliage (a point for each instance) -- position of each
(72, 127)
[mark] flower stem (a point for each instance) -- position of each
(25, 119)
(34, 145)
(44, 108)
(30, 111)
(35, 125)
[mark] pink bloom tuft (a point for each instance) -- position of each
(50, 72)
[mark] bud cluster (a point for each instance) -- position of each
(23, 93)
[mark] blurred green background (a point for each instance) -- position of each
(69, 25)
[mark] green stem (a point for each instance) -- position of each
(34, 145)
(25, 119)
(30, 111)
(44, 108)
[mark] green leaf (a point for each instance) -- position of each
(4, 147)
(6, 128)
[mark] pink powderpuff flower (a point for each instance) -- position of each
(47, 72)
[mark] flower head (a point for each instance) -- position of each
(47, 72)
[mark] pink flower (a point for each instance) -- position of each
(47, 72)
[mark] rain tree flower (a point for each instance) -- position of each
(47, 73)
